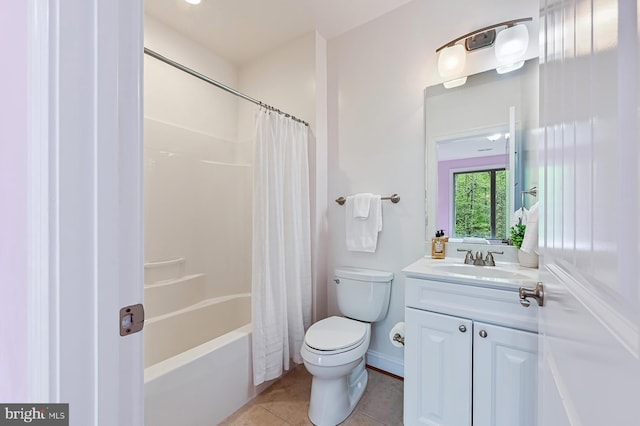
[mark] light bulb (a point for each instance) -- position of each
(510, 47)
(451, 60)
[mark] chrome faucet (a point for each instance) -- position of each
(479, 261)
(468, 259)
(488, 261)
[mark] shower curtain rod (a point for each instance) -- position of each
(218, 84)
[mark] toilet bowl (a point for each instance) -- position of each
(334, 348)
(338, 369)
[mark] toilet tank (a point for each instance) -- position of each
(363, 294)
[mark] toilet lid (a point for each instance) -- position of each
(335, 333)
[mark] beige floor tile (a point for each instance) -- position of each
(289, 397)
(287, 402)
(254, 416)
(377, 378)
(383, 402)
(358, 418)
(292, 411)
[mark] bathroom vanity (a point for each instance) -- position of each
(470, 345)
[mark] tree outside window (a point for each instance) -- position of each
(480, 204)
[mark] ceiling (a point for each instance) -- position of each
(481, 145)
(240, 30)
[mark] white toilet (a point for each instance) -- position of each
(334, 348)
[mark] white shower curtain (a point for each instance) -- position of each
(281, 249)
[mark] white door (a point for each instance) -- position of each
(438, 367)
(504, 376)
(86, 206)
(590, 322)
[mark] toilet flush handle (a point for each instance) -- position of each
(337, 281)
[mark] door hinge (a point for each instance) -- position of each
(131, 319)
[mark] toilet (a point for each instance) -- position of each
(334, 348)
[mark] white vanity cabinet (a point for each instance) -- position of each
(504, 375)
(438, 369)
(470, 354)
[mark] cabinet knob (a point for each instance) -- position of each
(483, 333)
(462, 328)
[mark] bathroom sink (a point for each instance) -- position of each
(481, 271)
(505, 275)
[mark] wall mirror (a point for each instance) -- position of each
(480, 153)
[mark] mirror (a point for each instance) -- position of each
(480, 153)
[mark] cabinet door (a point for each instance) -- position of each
(437, 380)
(504, 376)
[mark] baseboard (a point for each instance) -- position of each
(386, 363)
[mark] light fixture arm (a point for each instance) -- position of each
(481, 30)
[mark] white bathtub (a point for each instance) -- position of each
(197, 357)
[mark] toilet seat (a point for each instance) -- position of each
(335, 335)
(353, 337)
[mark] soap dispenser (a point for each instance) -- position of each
(438, 245)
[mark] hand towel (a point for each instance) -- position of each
(519, 217)
(361, 203)
(530, 240)
(362, 233)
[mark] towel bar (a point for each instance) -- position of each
(395, 198)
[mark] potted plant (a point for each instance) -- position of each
(530, 260)
(517, 235)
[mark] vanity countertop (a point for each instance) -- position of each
(504, 276)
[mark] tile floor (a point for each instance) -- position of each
(286, 403)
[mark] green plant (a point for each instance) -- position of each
(517, 235)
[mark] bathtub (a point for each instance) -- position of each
(197, 354)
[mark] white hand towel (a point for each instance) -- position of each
(361, 203)
(362, 233)
(530, 240)
(519, 216)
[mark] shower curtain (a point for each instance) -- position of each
(281, 247)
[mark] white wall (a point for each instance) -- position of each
(197, 180)
(178, 98)
(376, 77)
(13, 193)
(283, 78)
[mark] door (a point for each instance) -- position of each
(590, 322)
(504, 376)
(86, 198)
(437, 369)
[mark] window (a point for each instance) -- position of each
(480, 204)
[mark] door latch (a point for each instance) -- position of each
(131, 319)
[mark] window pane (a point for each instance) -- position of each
(473, 204)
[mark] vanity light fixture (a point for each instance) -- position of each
(455, 82)
(193, 1)
(510, 46)
(510, 43)
(451, 60)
